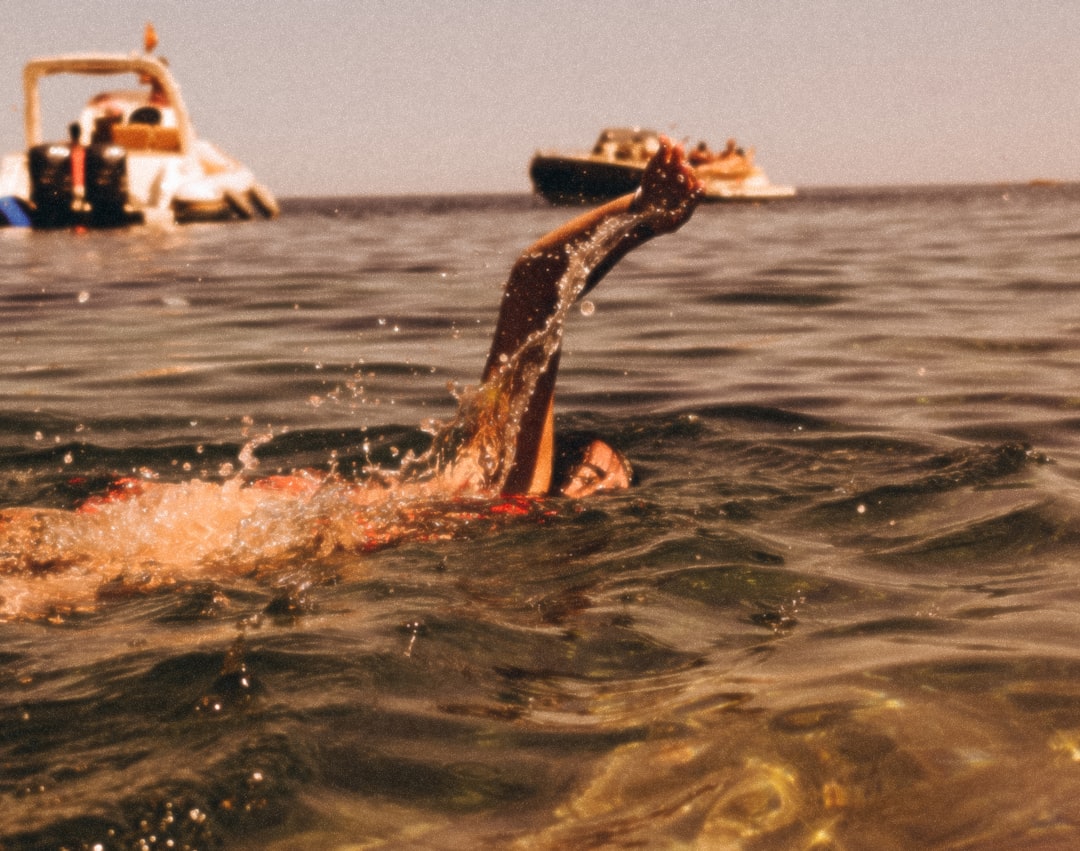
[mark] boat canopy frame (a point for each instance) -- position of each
(99, 64)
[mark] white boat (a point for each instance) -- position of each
(616, 162)
(131, 156)
(754, 186)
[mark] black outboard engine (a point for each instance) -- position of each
(86, 186)
(106, 185)
(51, 186)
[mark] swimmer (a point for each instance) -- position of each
(666, 199)
(143, 534)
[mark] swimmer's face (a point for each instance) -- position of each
(600, 469)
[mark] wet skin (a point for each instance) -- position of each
(666, 199)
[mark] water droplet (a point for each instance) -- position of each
(84, 297)
(587, 308)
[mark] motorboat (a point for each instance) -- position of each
(612, 168)
(616, 162)
(130, 157)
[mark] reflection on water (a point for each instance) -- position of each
(839, 610)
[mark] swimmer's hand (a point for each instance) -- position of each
(669, 189)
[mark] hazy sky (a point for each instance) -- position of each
(371, 97)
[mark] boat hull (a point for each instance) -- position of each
(582, 180)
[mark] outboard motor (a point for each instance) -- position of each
(51, 185)
(106, 185)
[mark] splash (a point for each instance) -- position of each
(476, 449)
(143, 535)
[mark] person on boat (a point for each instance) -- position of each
(104, 122)
(666, 198)
(700, 155)
(157, 95)
(605, 146)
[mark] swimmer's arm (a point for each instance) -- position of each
(529, 298)
(668, 194)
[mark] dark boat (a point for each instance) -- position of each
(615, 164)
(612, 168)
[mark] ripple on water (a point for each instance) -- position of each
(837, 611)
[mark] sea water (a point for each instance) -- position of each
(837, 610)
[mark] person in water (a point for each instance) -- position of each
(666, 198)
(143, 534)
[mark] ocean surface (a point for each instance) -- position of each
(840, 609)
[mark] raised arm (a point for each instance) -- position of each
(668, 194)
